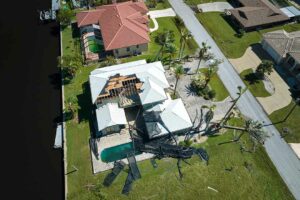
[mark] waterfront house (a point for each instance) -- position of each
(139, 85)
(119, 29)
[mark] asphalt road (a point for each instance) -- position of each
(284, 159)
(30, 103)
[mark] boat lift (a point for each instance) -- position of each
(48, 15)
(59, 136)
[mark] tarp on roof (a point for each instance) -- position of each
(290, 11)
(109, 115)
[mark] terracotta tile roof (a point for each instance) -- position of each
(121, 24)
(257, 12)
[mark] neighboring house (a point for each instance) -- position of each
(137, 84)
(120, 29)
(284, 48)
(256, 14)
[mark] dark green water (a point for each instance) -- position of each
(117, 152)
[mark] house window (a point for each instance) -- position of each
(128, 49)
(137, 46)
(117, 51)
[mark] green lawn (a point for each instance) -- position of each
(263, 182)
(151, 23)
(161, 5)
(71, 41)
(196, 2)
(169, 24)
(292, 123)
(225, 36)
(217, 85)
(255, 86)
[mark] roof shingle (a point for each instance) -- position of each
(122, 24)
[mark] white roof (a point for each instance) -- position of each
(110, 114)
(152, 71)
(173, 115)
(152, 92)
(290, 11)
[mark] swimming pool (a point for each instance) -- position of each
(117, 152)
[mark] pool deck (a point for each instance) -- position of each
(110, 141)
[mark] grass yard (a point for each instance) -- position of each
(262, 182)
(196, 2)
(153, 48)
(225, 36)
(292, 122)
(161, 5)
(255, 86)
(71, 41)
(151, 23)
(217, 85)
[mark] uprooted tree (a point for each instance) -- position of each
(168, 146)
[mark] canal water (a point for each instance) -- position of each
(30, 103)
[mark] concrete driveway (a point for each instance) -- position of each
(251, 59)
(282, 156)
(169, 12)
(214, 7)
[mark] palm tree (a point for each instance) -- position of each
(185, 35)
(228, 113)
(211, 70)
(70, 64)
(202, 54)
(164, 39)
(110, 60)
(255, 131)
(265, 67)
(71, 106)
(179, 71)
(171, 50)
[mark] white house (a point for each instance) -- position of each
(115, 88)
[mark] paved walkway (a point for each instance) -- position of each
(272, 103)
(169, 12)
(296, 148)
(214, 7)
(282, 156)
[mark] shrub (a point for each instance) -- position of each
(64, 16)
(212, 94)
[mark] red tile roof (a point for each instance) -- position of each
(121, 24)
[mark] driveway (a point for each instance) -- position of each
(251, 60)
(282, 156)
(169, 12)
(214, 7)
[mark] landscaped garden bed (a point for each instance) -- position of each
(255, 85)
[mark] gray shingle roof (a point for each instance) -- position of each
(257, 12)
(283, 42)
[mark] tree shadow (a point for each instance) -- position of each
(75, 30)
(260, 52)
(251, 78)
(55, 80)
(84, 102)
(190, 90)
